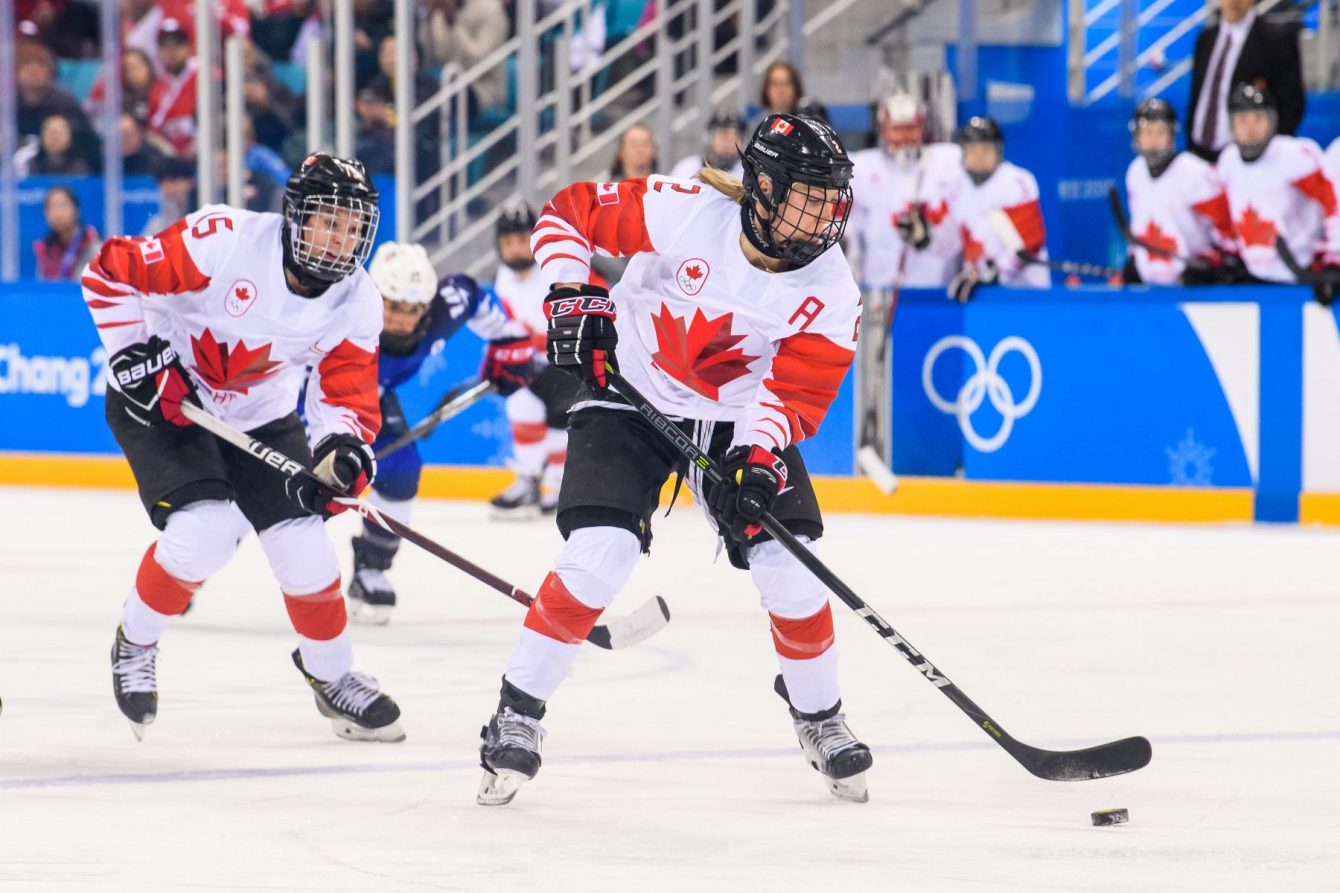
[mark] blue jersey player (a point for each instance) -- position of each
(418, 313)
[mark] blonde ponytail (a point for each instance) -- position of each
(722, 182)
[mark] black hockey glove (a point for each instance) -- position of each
(344, 464)
(1232, 271)
(581, 332)
(962, 286)
(1327, 286)
(754, 478)
(152, 379)
(912, 227)
(509, 364)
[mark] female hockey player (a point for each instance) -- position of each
(227, 308)
(738, 317)
(537, 413)
(417, 318)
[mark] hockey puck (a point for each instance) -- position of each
(1110, 817)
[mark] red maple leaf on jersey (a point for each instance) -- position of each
(1159, 239)
(235, 369)
(694, 272)
(972, 249)
(1254, 229)
(702, 355)
(935, 214)
(243, 294)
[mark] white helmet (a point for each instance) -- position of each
(902, 108)
(402, 272)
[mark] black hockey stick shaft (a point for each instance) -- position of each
(455, 404)
(1124, 226)
(1115, 758)
(292, 468)
(1069, 267)
(1325, 287)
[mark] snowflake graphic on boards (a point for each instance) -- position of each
(1189, 462)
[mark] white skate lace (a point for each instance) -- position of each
(353, 693)
(829, 736)
(135, 666)
(516, 730)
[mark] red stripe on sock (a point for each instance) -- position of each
(317, 615)
(556, 458)
(803, 638)
(529, 432)
(556, 613)
(160, 590)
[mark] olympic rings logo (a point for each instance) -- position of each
(985, 383)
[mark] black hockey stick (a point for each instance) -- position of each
(642, 624)
(1124, 226)
(1070, 267)
(1114, 758)
(456, 403)
(1325, 286)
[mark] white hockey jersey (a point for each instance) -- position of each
(1331, 162)
(687, 168)
(883, 189)
(703, 333)
(1284, 192)
(1009, 197)
(523, 299)
(1183, 210)
(213, 286)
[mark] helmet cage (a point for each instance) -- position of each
(325, 255)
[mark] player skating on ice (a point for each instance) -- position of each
(228, 309)
(737, 317)
(538, 413)
(418, 317)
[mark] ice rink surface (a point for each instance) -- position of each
(672, 765)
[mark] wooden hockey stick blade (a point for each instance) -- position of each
(873, 467)
(1102, 761)
(631, 629)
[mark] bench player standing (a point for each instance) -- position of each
(418, 317)
(228, 308)
(738, 317)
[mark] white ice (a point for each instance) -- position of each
(672, 765)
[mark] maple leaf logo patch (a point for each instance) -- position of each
(1159, 239)
(1254, 229)
(703, 355)
(692, 275)
(235, 369)
(241, 295)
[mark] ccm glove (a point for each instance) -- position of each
(913, 229)
(152, 379)
(754, 478)
(344, 465)
(581, 332)
(509, 364)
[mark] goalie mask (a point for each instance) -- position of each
(330, 220)
(797, 189)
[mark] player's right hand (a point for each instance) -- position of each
(152, 379)
(581, 336)
(913, 229)
(344, 464)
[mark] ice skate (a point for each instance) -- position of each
(510, 753)
(519, 502)
(355, 706)
(134, 683)
(371, 595)
(832, 749)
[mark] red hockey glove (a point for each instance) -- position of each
(581, 332)
(509, 364)
(344, 464)
(754, 478)
(152, 379)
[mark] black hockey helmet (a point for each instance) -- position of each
(1250, 98)
(791, 150)
(980, 129)
(516, 217)
(1150, 111)
(1154, 109)
(331, 215)
(724, 118)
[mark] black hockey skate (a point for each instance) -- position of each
(831, 748)
(371, 596)
(133, 682)
(519, 502)
(355, 706)
(510, 753)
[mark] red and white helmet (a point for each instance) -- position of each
(902, 125)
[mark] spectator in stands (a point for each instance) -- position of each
(376, 133)
(58, 153)
(462, 32)
(69, 243)
(172, 97)
(635, 155)
(384, 82)
(262, 162)
(722, 150)
(176, 193)
(139, 157)
(782, 92)
(39, 95)
(1241, 48)
(68, 27)
(282, 29)
(137, 79)
(372, 24)
(271, 105)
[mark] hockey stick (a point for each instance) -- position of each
(455, 405)
(1009, 236)
(1325, 286)
(1124, 226)
(1114, 758)
(622, 632)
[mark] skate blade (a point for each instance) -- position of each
(525, 513)
(498, 789)
(137, 728)
(352, 731)
(369, 615)
(852, 789)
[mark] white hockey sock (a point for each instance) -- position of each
(539, 664)
(141, 624)
(327, 660)
(812, 683)
(525, 413)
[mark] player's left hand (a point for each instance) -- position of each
(754, 478)
(509, 364)
(345, 464)
(1327, 287)
(913, 229)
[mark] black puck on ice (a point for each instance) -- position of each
(1110, 817)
